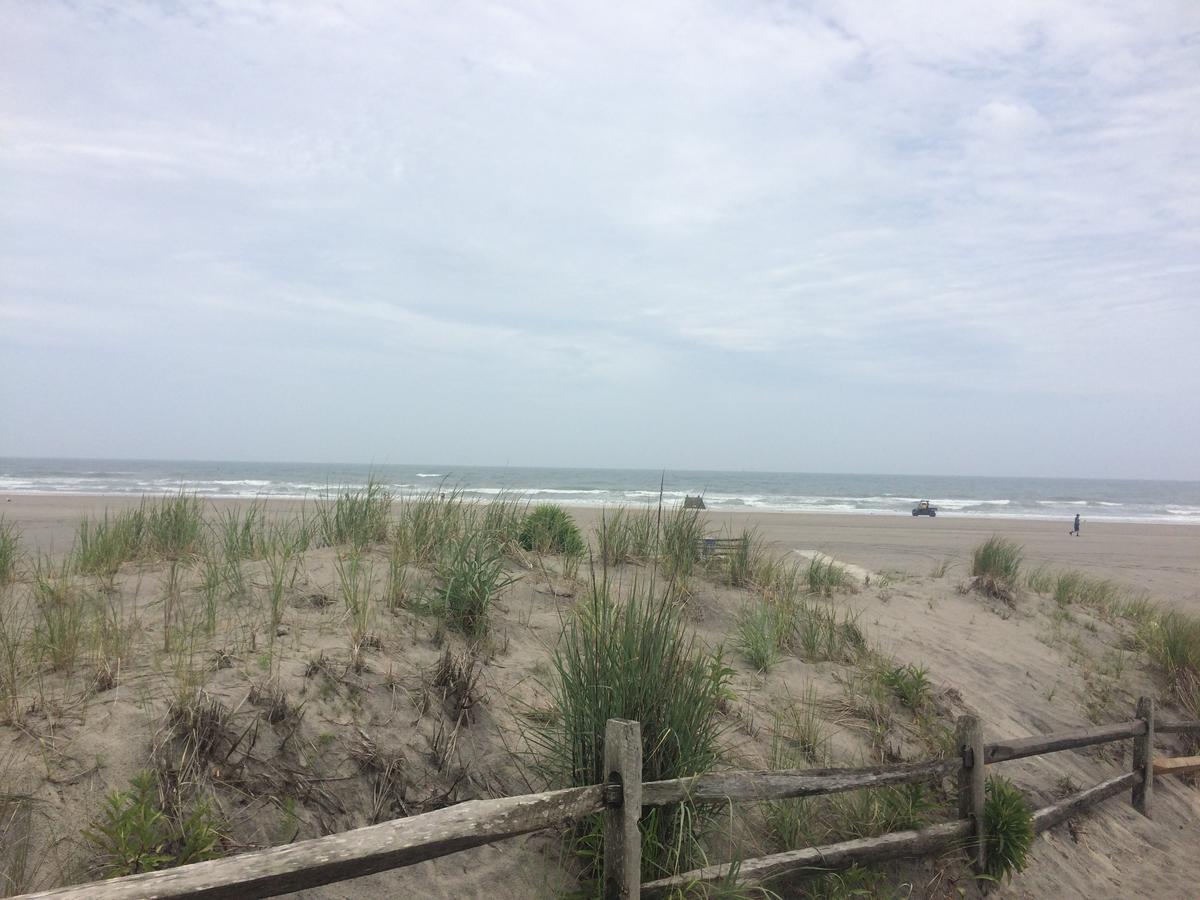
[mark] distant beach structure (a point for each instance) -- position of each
(690, 502)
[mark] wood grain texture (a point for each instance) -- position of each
(722, 787)
(814, 861)
(1049, 816)
(351, 854)
(1036, 745)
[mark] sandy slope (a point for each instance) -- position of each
(1023, 670)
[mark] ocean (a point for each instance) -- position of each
(1037, 498)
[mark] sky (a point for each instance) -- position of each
(929, 237)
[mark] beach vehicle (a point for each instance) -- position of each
(924, 508)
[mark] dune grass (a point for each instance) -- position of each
(163, 528)
(59, 623)
(1075, 587)
(681, 534)
(626, 535)
(426, 523)
(174, 527)
(102, 545)
(996, 568)
(762, 634)
(739, 564)
(824, 576)
(635, 660)
(998, 558)
(356, 581)
(472, 574)
(10, 552)
(355, 517)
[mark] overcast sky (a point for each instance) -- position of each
(948, 238)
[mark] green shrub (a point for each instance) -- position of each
(1008, 829)
(548, 528)
(472, 574)
(636, 660)
(136, 834)
(909, 683)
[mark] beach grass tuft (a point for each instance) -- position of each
(102, 545)
(59, 627)
(680, 539)
(635, 660)
(761, 634)
(356, 581)
(998, 558)
(427, 523)
(626, 535)
(996, 568)
(472, 574)
(1074, 587)
(10, 552)
(824, 576)
(356, 517)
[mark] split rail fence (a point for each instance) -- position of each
(403, 842)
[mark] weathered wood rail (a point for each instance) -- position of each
(404, 842)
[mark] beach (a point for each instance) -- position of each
(334, 655)
(1159, 558)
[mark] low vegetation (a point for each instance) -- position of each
(996, 568)
(636, 660)
(1008, 824)
(10, 551)
(394, 617)
(356, 516)
(472, 574)
(548, 528)
(137, 832)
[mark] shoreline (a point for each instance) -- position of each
(1092, 517)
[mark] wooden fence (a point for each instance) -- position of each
(403, 842)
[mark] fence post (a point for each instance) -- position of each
(622, 838)
(1143, 758)
(971, 791)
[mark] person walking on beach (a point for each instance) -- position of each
(1075, 530)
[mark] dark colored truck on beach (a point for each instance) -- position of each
(924, 508)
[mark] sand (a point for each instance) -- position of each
(1022, 669)
(1159, 558)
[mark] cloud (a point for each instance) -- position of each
(912, 195)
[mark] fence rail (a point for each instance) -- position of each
(404, 842)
